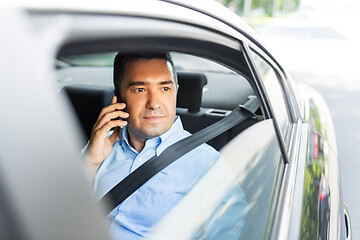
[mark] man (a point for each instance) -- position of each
(145, 102)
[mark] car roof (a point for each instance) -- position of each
(208, 13)
(220, 12)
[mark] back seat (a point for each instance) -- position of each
(88, 101)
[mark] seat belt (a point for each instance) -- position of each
(157, 163)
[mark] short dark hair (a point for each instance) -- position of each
(121, 59)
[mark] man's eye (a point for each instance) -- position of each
(139, 90)
(166, 88)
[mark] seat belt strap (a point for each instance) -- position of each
(157, 163)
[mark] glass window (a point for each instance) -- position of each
(236, 198)
(274, 92)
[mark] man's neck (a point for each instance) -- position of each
(136, 142)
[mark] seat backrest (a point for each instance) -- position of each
(87, 102)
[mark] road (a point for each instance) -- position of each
(323, 51)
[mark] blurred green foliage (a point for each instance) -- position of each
(313, 174)
(310, 215)
(267, 6)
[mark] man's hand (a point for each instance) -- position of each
(100, 145)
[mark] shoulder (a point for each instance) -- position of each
(204, 153)
(206, 149)
(203, 149)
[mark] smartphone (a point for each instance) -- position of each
(121, 128)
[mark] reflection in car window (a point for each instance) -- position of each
(274, 92)
(236, 198)
(215, 208)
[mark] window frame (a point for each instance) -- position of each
(233, 57)
(283, 80)
(287, 93)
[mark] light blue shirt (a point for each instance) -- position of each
(135, 217)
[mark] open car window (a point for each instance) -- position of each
(234, 197)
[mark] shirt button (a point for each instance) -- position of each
(123, 217)
(140, 159)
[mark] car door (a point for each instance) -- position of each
(43, 194)
(256, 156)
(312, 169)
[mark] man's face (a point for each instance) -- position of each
(149, 90)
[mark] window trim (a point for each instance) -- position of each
(266, 102)
(282, 80)
(285, 97)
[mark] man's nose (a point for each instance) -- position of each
(153, 101)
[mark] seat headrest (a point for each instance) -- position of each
(190, 90)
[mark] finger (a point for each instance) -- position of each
(113, 107)
(110, 108)
(113, 124)
(110, 117)
(103, 132)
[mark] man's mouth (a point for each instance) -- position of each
(153, 118)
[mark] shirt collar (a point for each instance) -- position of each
(125, 143)
(170, 137)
